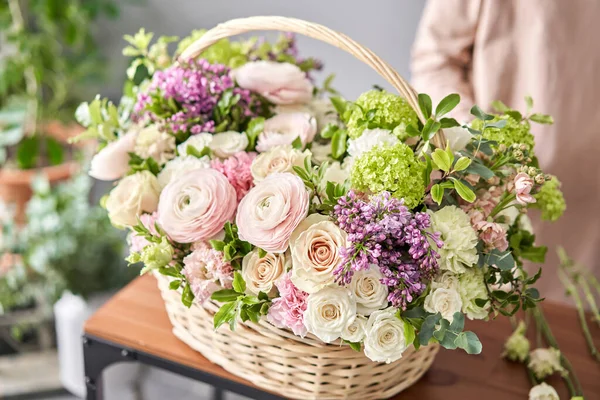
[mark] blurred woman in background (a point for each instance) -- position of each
(489, 50)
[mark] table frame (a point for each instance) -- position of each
(99, 354)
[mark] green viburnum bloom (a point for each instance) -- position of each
(156, 255)
(512, 133)
(390, 112)
(391, 168)
(550, 200)
(517, 345)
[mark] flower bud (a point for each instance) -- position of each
(545, 362)
(518, 154)
(517, 346)
(532, 171)
(523, 147)
(157, 255)
(539, 179)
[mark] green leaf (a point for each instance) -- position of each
(192, 151)
(447, 104)
(297, 143)
(458, 322)
(501, 259)
(226, 313)
(329, 130)
(54, 151)
(174, 285)
(501, 123)
(218, 245)
(464, 191)
(469, 342)
(448, 123)
(430, 129)
(339, 104)
(338, 144)
(441, 160)
(427, 329)
(225, 295)
(480, 114)
(480, 169)
(239, 285)
(169, 271)
(462, 164)
(428, 169)
(425, 104)
(499, 106)
(412, 131)
(514, 115)
(542, 119)
(353, 345)
(187, 296)
(529, 102)
(409, 332)
(261, 253)
(28, 152)
(437, 193)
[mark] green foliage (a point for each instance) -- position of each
(233, 248)
(550, 200)
(313, 178)
(449, 334)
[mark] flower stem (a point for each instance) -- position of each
(589, 297)
(502, 204)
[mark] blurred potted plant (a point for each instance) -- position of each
(47, 50)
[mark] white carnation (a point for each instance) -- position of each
(328, 312)
(356, 330)
(179, 166)
(460, 239)
(545, 362)
(369, 139)
(443, 301)
(370, 294)
(153, 143)
(447, 280)
(385, 340)
(198, 142)
(226, 144)
(543, 391)
(472, 287)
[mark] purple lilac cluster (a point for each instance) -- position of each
(184, 97)
(382, 231)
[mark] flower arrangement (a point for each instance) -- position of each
(240, 181)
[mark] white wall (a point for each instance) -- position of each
(386, 26)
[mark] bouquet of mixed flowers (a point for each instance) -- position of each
(250, 187)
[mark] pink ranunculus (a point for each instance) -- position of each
(206, 271)
(287, 311)
(523, 186)
(492, 234)
(195, 206)
(271, 211)
(237, 170)
(284, 128)
(280, 83)
(112, 162)
(138, 242)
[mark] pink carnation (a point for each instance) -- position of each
(523, 185)
(206, 271)
(237, 170)
(138, 242)
(493, 235)
(287, 311)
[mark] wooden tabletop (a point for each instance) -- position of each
(135, 318)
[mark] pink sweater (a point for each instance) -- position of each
(549, 49)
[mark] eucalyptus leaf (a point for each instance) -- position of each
(480, 114)
(469, 342)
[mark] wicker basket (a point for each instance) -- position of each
(272, 358)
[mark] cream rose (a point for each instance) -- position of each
(271, 210)
(112, 162)
(385, 340)
(316, 245)
(355, 331)
(260, 273)
(369, 292)
(134, 195)
(196, 206)
(180, 166)
(226, 144)
(198, 142)
(328, 312)
(278, 159)
(447, 280)
(443, 301)
(280, 83)
(285, 128)
(153, 143)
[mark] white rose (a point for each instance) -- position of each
(315, 246)
(285, 128)
(179, 166)
(369, 139)
(198, 142)
(278, 159)
(134, 195)
(369, 292)
(457, 137)
(443, 301)
(153, 143)
(355, 331)
(226, 144)
(385, 340)
(260, 273)
(320, 152)
(447, 280)
(328, 312)
(543, 391)
(335, 173)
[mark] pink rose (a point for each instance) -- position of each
(271, 211)
(284, 128)
(195, 206)
(523, 186)
(112, 162)
(287, 311)
(280, 83)
(492, 234)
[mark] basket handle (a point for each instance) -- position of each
(315, 31)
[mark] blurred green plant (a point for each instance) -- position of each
(47, 51)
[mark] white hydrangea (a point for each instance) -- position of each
(199, 142)
(471, 286)
(460, 239)
(369, 139)
(180, 166)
